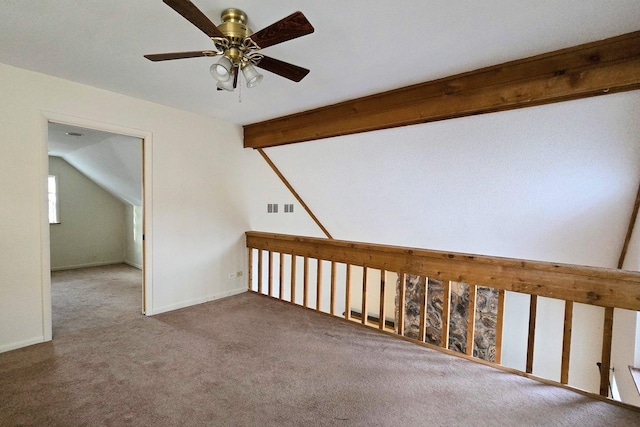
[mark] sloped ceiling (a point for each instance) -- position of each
(114, 162)
(359, 47)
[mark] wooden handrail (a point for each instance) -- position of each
(588, 285)
(608, 288)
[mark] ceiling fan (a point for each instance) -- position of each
(238, 46)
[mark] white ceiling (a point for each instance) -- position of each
(112, 161)
(359, 47)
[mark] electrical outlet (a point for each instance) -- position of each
(232, 276)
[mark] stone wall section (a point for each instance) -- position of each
(485, 317)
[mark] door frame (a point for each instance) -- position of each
(147, 209)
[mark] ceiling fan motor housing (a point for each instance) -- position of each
(234, 25)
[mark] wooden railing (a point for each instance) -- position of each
(608, 288)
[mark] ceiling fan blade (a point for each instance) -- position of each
(195, 16)
(180, 55)
(291, 27)
(284, 69)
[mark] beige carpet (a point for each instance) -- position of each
(248, 360)
(93, 297)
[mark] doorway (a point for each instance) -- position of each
(115, 162)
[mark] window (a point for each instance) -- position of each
(54, 208)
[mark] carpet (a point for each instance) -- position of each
(249, 360)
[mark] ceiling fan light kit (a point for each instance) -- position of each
(238, 46)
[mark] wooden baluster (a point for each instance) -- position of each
(270, 273)
(471, 319)
(499, 326)
(293, 278)
(566, 342)
(332, 308)
(347, 296)
(423, 310)
(533, 307)
(260, 284)
(365, 280)
(319, 286)
(305, 283)
(446, 300)
(381, 313)
(605, 366)
(281, 277)
(250, 269)
(402, 277)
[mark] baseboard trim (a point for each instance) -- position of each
(134, 265)
(20, 344)
(91, 264)
(197, 301)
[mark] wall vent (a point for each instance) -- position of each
(272, 208)
(288, 207)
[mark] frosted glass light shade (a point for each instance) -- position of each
(228, 85)
(251, 75)
(221, 70)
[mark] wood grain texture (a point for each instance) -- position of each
(319, 285)
(381, 312)
(347, 297)
(293, 278)
(365, 309)
(288, 28)
(531, 340)
(281, 276)
(566, 342)
(283, 69)
(332, 308)
(607, 336)
(250, 269)
(446, 310)
(587, 285)
(192, 14)
(305, 283)
(155, 57)
(294, 192)
(499, 325)
(471, 319)
(607, 66)
(402, 278)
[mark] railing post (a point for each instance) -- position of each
(402, 278)
(364, 295)
(381, 313)
(605, 366)
(446, 300)
(347, 296)
(533, 307)
(471, 318)
(566, 342)
(270, 273)
(281, 277)
(250, 269)
(260, 284)
(499, 326)
(319, 285)
(305, 283)
(423, 309)
(332, 308)
(293, 278)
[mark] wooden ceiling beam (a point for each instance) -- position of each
(607, 66)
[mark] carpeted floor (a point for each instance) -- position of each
(248, 360)
(94, 297)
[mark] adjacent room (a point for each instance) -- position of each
(95, 217)
(320, 213)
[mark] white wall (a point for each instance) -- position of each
(553, 183)
(202, 188)
(133, 236)
(92, 221)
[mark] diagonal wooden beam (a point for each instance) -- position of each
(606, 66)
(294, 193)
